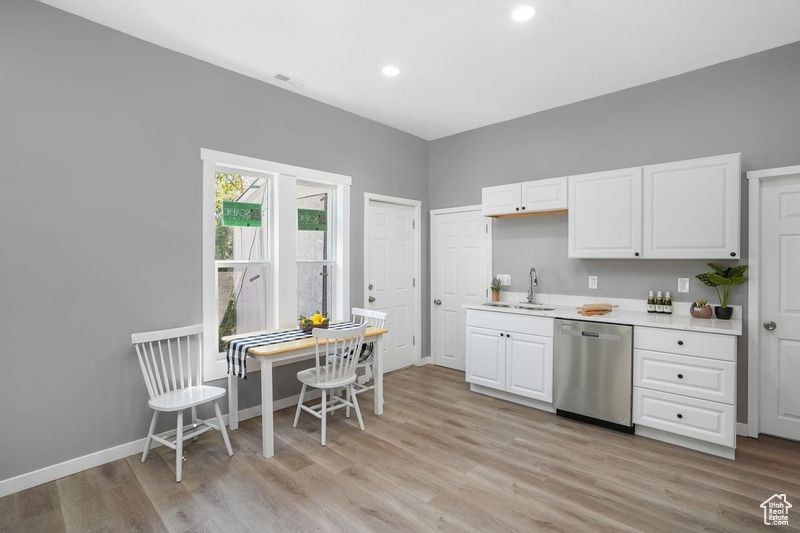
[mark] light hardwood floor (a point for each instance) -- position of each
(439, 458)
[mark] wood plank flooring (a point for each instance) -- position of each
(440, 458)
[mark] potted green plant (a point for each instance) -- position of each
(723, 280)
(700, 309)
(495, 286)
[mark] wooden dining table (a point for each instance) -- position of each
(272, 355)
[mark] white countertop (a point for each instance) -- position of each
(633, 318)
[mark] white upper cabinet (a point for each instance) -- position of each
(544, 195)
(501, 200)
(528, 197)
(605, 214)
(691, 209)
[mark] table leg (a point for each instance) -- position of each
(233, 402)
(267, 442)
(377, 370)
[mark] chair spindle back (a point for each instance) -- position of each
(170, 359)
(337, 351)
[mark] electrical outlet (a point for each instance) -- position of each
(683, 284)
(592, 282)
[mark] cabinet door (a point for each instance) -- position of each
(529, 359)
(691, 209)
(605, 214)
(501, 200)
(486, 358)
(544, 195)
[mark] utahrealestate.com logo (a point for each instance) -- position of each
(776, 510)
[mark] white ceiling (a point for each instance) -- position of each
(464, 63)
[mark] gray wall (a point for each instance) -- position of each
(100, 218)
(747, 105)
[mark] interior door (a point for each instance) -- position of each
(780, 308)
(460, 276)
(390, 277)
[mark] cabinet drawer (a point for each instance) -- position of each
(699, 419)
(707, 379)
(685, 343)
(532, 325)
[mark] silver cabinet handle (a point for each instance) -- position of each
(371, 299)
(437, 301)
(770, 325)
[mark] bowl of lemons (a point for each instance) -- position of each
(317, 320)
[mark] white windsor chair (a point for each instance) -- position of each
(171, 365)
(375, 319)
(337, 353)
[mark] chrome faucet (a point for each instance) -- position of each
(534, 283)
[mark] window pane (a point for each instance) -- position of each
(241, 300)
(314, 288)
(240, 202)
(314, 223)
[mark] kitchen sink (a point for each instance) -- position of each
(520, 305)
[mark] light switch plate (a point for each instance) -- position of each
(505, 279)
(592, 282)
(683, 284)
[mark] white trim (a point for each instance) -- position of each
(417, 205)
(461, 209)
(743, 430)
(241, 162)
(686, 442)
(773, 172)
(121, 451)
(432, 239)
(754, 178)
(513, 398)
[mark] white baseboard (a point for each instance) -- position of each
(514, 398)
(108, 455)
(687, 442)
(743, 429)
(426, 360)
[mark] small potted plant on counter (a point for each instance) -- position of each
(723, 279)
(700, 309)
(495, 286)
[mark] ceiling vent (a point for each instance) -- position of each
(291, 80)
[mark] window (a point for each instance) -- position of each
(275, 245)
(316, 251)
(241, 252)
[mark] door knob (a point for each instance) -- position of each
(437, 301)
(770, 325)
(371, 299)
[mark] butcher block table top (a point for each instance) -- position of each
(292, 346)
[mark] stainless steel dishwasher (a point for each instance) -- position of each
(593, 372)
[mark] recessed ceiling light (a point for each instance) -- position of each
(390, 71)
(523, 13)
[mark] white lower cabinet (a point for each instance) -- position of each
(684, 385)
(513, 354)
(529, 362)
(486, 358)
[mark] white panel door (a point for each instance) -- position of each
(390, 278)
(691, 209)
(460, 276)
(780, 287)
(544, 195)
(529, 361)
(605, 214)
(486, 358)
(501, 200)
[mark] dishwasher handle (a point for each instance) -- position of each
(567, 330)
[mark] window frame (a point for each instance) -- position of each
(333, 237)
(281, 247)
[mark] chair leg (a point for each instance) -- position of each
(299, 403)
(354, 396)
(348, 396)
(324, 413)
(179, 449)
(149, 440)
(222, 428)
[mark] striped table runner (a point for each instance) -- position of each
(237, 348)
